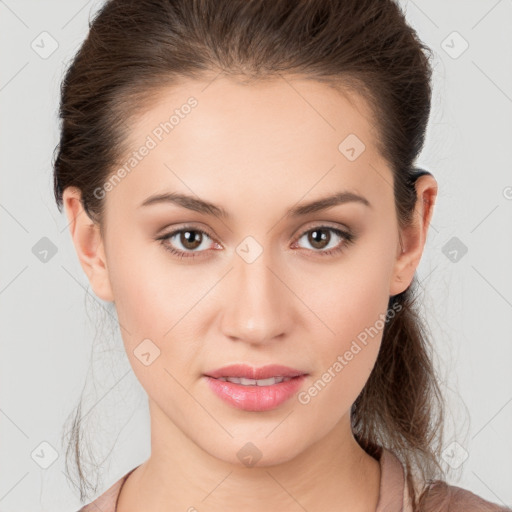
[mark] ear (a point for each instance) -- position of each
(413, 237)
(88, 244)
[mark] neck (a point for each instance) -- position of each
(333, 473)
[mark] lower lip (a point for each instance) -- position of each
(255, 398)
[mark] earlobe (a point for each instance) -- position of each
(88, 244)
(413, 237)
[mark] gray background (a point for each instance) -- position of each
(50, 317)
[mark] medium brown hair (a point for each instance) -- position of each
(136, 48)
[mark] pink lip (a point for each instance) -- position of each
(255, 398)
(250, 372)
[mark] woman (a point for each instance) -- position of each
(239, 180)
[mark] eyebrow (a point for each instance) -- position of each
(201, 206)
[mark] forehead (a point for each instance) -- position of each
(222, 136)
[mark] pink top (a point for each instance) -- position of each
(393, 493)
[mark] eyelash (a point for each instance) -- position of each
(349, 238)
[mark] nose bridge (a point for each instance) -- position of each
(255, 304)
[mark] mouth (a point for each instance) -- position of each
(256, 395)
(255, 382)
(255, 376)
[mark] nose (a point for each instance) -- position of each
(256, 306)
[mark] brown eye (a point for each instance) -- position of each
(186, 242)
(191, 239)
(318, 237)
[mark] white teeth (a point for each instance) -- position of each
(251, 382)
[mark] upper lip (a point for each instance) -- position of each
(251, 372)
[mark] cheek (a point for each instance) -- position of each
(357, 318)
(349, 298)
(352, 301)
(156, 304)
(150, 293)
(347, 355)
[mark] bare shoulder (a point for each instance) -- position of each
(106, 502)
(442, 497)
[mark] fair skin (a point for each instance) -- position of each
(257, 151)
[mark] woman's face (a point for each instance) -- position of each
(266, 283)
